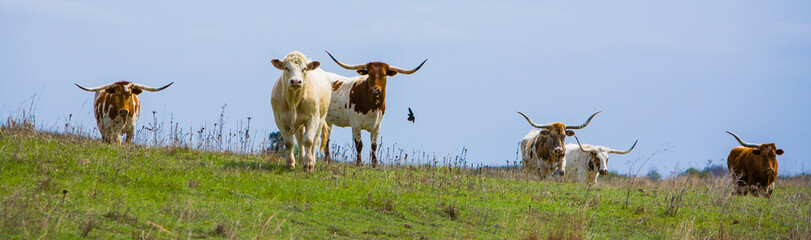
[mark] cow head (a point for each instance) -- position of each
(294, 67)
(598, 156)
(377, 72)
(122, 94)
(123, 89)
(549, 144)
(766, 152)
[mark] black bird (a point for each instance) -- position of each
(410, 115)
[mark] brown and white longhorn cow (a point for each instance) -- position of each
(360, 102)
(754, 167)
(543, 151)
(117, 108)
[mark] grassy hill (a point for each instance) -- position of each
(63, 187)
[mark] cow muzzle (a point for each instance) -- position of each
(123, 112)
(604, 172)
(375, 91)
(558, 151)
(295, 82)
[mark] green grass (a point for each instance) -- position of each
(65, 187)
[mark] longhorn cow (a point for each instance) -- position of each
(754, 167)
(589, 161)
(360, 102)
(543, 151)
(117, 108)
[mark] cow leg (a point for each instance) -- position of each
(592, 178)
(358, 144)
(300, 144)
(307, 146)
(374, 135)
(327, 153)
(129, 133)
(117, 138)
(289, 146)
(769, 190)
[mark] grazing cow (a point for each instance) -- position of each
(360, 102)
(754, 167)
(543, 151)
(117, 108)
(589, 161)
(300, 101)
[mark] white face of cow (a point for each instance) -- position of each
(601, 156)
(295, 67)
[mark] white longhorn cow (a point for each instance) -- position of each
(589, 161)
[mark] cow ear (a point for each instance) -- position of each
(756, 151)
(391, 73)
(110, 90)
(278, 64)
(313, 65)
(544, 132)
(779, 152)
(136, 91)
(363, 72)
(569, 133)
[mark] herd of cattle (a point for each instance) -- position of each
(308, 101)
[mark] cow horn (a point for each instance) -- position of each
(533, 123)
(151, 89)
(95, 89)
(584, 124)
(578, 144)
(403, 71)
(742, 142)
(350, 67)
(629, 150)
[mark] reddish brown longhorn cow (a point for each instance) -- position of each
(754, 167)
(117, 108)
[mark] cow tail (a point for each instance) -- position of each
(325, 132)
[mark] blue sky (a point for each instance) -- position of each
(673, 75)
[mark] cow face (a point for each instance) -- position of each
(598, 161)
(377, 73)
(121, 99)
(552, 146)
(295, 67)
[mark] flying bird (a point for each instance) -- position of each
(410, 115)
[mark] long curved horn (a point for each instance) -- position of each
(742, 142)
(584, 124)
(533, 123)
(578, 144)
(95, 89)
(350, 67)
(403, 71)
(151, 89)
(629, 150)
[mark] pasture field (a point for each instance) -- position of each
(56, 186)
